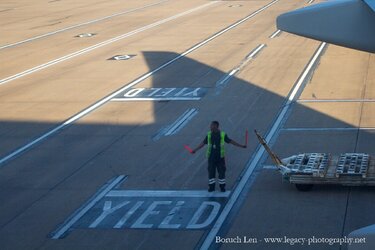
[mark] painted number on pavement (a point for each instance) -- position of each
(160, 94)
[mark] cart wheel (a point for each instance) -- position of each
(304, 187)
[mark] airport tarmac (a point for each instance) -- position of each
(98, 99)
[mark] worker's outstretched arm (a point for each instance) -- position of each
(233, 142)
(199, 147)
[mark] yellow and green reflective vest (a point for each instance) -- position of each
(209, 144)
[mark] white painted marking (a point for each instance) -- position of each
(165, 93)
(168, 193)
(258, 155)
(233, 72)
(256, 51)
(78, 25)
(305, 73)
(167, 220)
(133, 92)
(124, 219)
(193, 92)
(182, 91)
(156, 99)
(270, 167)
(133, 83)
(139, 223)
(79, 215)
(181, 122)
(326, 129)
(224, 80)
(310, 2)
(99, 45)
(85, 35)
(107, 210)
(237, 5)
(335, 100)
(274, 34)
(155, 91)
(122, 57)
(193, 224)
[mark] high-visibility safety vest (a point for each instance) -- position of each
(209, 144)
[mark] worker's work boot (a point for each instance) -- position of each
(211, 187)
(222, 187)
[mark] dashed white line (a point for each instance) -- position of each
(255, 51)
(227, 77)
(177, 125)
(99, 45)
(258, 155)
(181, 121)
(79, 25)
(274, 34)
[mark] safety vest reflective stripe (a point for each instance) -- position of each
(211, 181)
(209, 144)
(222, 142)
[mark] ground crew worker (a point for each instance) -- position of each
(215, 141)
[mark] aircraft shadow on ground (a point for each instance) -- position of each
(77, 146)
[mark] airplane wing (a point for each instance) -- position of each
(348, 23)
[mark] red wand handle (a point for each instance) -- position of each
(188, 149)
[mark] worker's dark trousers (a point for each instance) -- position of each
(219, 165)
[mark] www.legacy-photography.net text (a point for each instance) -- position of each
(290, 240)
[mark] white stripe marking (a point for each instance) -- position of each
(326, 129)
(270, 167)
(167, 193)
(305, 73)
(99, 45)
(335, 100)
(181, 121)
(193, 224)
(156, 99)
(79, 215)
(135, 82)
(251, 165)
(107, 210)
(125, 218)
(78, 25)
(222, 82)
(274, 34)
(233, 72)
(166, 222)
(227, 77)
(256, 51)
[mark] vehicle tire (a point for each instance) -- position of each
(304, 187)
